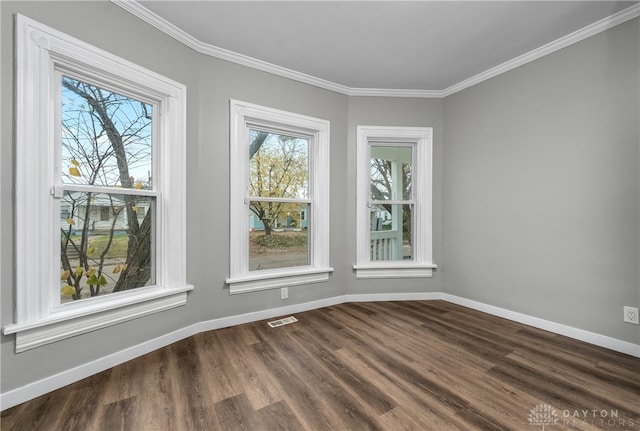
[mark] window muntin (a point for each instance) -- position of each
(278, 198)
(393, 202)
(279, 183)
(43, 56)
(106, 143)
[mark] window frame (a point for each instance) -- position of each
(422, 184)
(41, 53)
(243, 116)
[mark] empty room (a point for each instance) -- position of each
(319, 215)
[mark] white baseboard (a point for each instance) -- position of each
(255, 316)
(411, 296)
(16, 396)
(557, 328)
(32, 390)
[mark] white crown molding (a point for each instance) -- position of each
(163, 25)
(178, 34)
(391, 92)
(563, 42)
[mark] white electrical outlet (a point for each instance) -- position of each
(631, 315)
(284, 293)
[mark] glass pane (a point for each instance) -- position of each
(106, 244)
(278, 235)
(391, 232)
(106, 137)
(278, 165)
(391, 173)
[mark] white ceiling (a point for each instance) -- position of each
(428, 47)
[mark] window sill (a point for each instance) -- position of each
(279, 278)
(79, 319)
(394, 270)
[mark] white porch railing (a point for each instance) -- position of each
(384, 245)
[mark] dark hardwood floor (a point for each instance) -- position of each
(380, 366)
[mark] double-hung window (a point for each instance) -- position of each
(279, 186)
(394, 202)
(100, 188)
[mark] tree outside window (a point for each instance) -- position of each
(393, 202)
(100, 154)
(278, 200)
(106, 144)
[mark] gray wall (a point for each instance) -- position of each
(536, 183)
(220, 81)
(541, 186)
(122, 34)
(210, 83)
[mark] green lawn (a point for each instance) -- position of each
(118, 248)
(97, 244)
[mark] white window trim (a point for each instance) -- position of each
(241, 116)
(39, 318)
(422, 265)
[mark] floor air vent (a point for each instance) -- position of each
(283, 321)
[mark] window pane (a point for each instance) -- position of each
(278, 235)
(106, 137)
(278, 165)
(391, 171)
(106, 244)
(391, 232)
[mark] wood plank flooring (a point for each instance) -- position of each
(362, 366)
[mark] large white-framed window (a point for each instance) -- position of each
(394, 209)
(279, 198)
(99, 186)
